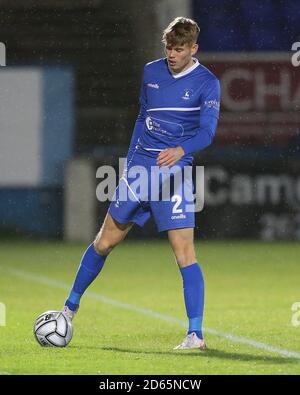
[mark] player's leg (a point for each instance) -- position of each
(92, 262)
(177, 216)
(111, 233)
(182, 242)
(125, 210)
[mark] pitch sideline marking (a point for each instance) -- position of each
(236, 339)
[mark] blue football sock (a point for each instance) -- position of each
(193, 287)
(89, 268)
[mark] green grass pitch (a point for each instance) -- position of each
(250, 288)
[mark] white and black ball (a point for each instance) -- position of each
(53, 329)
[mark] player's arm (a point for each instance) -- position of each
(209, 115)
(139, 123)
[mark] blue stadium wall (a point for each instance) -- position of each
(38, 132)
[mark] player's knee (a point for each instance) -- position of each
(185, 256)
(103, 247)
(182, 260)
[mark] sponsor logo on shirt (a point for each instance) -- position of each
(155, 86)
(149, 123)
(156, 127)
(212, 104)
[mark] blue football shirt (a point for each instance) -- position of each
(176, 109)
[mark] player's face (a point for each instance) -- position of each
(179, 57)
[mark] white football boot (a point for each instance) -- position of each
(68, 312)
(191, 341)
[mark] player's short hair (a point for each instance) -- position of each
(181, 31)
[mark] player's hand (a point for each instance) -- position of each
(169, 156)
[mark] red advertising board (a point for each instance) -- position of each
(260, 97)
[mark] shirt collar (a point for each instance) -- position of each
(187, 71)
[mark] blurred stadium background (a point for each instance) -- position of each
(69, 98)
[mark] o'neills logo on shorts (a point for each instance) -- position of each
(181, 216)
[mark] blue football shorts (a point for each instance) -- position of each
(145, 189)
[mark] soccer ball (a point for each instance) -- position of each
(53, 329)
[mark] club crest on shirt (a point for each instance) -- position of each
(187, 94)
